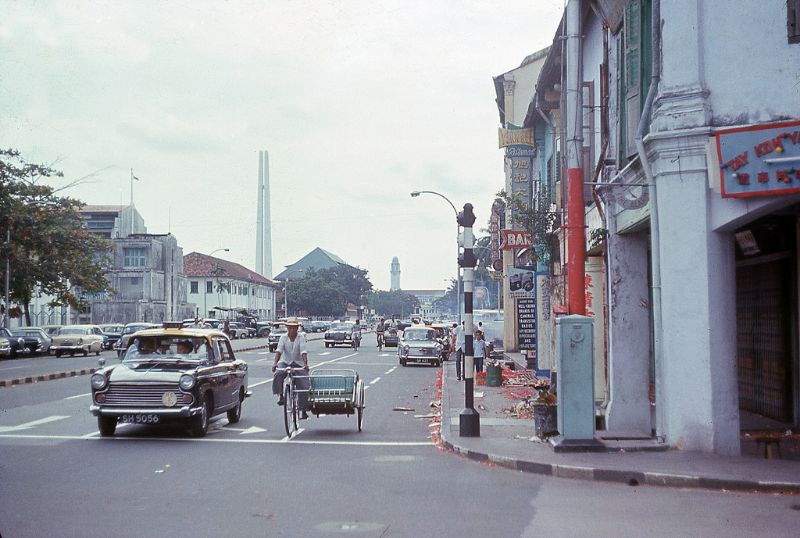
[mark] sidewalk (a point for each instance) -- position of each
(508, 442)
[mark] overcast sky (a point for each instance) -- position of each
(358, 103)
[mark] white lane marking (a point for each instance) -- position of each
(324, 353)
(252, 385)
(33, 423)
(243, 431)
(297, 432)
(78, 396)
(390, 370)
(13, 368)
(265, 353)
(375, 380)
(216, 440)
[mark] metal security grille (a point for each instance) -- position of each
(763, 318)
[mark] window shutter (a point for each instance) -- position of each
(632, 82)
(793, 20)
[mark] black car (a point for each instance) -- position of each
(114, 333)
(17, 342)
(277, 331)
(340, 333)
(36, 340)
(171, 375)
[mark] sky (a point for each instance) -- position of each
(357, 102)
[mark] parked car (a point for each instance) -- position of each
(319, 326)
(50, 330)
(171, 374)
(263, 328)
(36, 340)
(340, 333)
(74, 339)
(419, 344)
(16, 343)
(127, 331)
(5, 347)
(237, 330)
(114, 333)
(278, 330)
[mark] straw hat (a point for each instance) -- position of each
(292, 322)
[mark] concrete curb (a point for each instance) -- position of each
(623, 476)
(45, 377)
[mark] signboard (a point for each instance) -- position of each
(526, 323)
(762, 160)
(515, 239)
(521, 283)
(514, 137)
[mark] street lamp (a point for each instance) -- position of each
(414, 194)
(205, 291)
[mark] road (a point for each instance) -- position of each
(59, 478)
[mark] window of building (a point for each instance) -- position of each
(209, 286)
(193, 286)
(634, 75)
(793, 20)
(134, 257)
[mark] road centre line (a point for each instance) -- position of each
(78, 396)
(212, 440)
(390, 370)
(375, 380)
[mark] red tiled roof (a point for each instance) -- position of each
(201, 265)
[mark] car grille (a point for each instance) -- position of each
(427, 351)
(139, 395)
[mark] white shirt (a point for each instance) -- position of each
(291, 351)
(460, 339)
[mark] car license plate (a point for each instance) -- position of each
(140, 419)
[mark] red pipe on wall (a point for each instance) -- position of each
(576, 242)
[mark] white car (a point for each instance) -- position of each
(74, 339)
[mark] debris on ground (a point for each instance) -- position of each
(522, 409)
(437, 404)
(399, 408)
(431, 415)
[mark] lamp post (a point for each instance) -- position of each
(205, 291)
(414, 194)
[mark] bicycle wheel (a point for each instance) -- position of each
(295, 408)
(289, 410)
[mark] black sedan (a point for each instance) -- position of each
(340, 333)
(171, 375)
(36, 340)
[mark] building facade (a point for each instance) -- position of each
(692, 141)
(218, 287)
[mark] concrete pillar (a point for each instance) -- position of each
(628, 410)
(696, 374)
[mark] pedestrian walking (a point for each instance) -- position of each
(460, 342)
(479, 347)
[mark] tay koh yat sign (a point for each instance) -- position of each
(761, 160)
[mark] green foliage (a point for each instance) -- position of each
(449, 301)
(326, 292)
(398, 302)
(50, 248)
(538, 220)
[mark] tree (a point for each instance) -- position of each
(449, 301)
(44, 238)
(326, 292)
(394, 303)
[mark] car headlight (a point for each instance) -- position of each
(99, 381)
(405, 349)
(187, 382)
(347, 337)
(327, 335)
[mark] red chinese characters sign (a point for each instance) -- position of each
(760, 160)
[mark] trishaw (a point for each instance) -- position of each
(330, 392)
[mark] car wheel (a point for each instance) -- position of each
(58, 353)
(236, 413)
(199, 422)
(107, 426)
(85, 353)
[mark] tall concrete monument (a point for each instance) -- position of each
(395, 273)
(263, 220)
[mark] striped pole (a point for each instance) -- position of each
(469, 420)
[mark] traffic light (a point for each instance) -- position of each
(466, 218)
(467, 258)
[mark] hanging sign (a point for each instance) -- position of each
(516, 239)
(761, 160)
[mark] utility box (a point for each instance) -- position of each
(575, 396)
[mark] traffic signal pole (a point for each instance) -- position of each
(469, 420)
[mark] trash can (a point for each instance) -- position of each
(493, 376)
(545, 420)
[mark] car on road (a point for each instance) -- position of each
(278, 330)
(16, 343)
(114, 333)
(50, 330)
(319, 326)
(171, 374)
(340, 333)
(36, 340)
(263, 328)
(237, 330)
(419, 344)
(5, 347)
(127, 331)
(74, 339)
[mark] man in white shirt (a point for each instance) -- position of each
(291, 352)
(459, 349)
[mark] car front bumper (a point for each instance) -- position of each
(185, 411)
(76, 347)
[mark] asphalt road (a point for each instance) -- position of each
(59, 478)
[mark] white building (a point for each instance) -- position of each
(216, 286)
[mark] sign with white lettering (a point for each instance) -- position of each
(761, 160)
(526, 323)
(516, 239)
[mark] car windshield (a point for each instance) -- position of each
(167, 347)
(72, 330)
(341, 327)
(419, 334)
(25, 332)
(280, 329)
